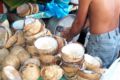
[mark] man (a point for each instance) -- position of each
(104, 18)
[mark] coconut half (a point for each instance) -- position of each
(73, 52)
(46, 45)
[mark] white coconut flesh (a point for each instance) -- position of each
(74, 50)
(91, 60)
(18, 24)
(46, 43)
(57, 72)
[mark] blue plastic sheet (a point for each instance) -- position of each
(56, 8)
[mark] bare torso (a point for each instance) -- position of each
(103, 15)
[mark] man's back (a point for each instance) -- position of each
(103, 15)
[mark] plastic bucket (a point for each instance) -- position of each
(57, 25)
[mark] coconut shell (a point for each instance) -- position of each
(3, 36)
(20, 38)
(30, 72)
(20, 52)
(47, 60)
(32, 50)
(11, 60)
(34, 60)
(53, 72)
(11, 41)
(10, 73)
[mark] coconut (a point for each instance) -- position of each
(34, 60)
(72, 52)
(70, 72)
(0, 75)
(11, 41)
(47, 60)
(32, 50)
(30, 72)
(31, 8)
(31, 38)
(92, 63)
(3, 53)
(33, 26)
(89, 75)
(10, 73)
(20, 52)
(35, 8)
(20, 37)
(3, 36)
(23, 10)
(11, 60)
(61, 42)
(53, 72)
(46, 45)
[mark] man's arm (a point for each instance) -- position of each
(80, 18)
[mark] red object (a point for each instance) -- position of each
(1, 7)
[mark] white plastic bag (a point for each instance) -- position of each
(113, 73)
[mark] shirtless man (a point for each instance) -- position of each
(104, 20)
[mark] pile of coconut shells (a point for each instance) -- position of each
(31, 52)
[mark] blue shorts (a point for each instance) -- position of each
(106, 46)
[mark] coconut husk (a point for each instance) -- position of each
(21, 53)
(34, 60)
(32, 50)
(20, 38)
(3, 53)
(10, 73)
(30, 72)
(53, 72)
(11, 60)
(3, 36)
(89, 76)
(47, 60)
(0, 75)
(11, 41)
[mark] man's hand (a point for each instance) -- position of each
(66, 34)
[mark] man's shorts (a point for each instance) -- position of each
(106, 46)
